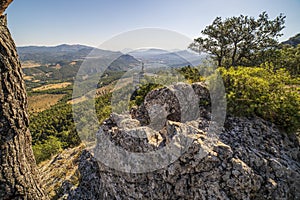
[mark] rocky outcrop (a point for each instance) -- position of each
(61, 173)
(249, 159)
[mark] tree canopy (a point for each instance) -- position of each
(241, 40)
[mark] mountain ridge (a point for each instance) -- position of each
(293, 41)
(68, 53)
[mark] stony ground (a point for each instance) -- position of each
(249, 159)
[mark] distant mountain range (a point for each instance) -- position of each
(294, 41)
(64, 52)
(44, 55)
(68, 53)
(177, 58)
(41, 64)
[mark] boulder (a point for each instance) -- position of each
(249, 159)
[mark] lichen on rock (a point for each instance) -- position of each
(250, 159)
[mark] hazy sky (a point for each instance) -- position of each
(91, 22)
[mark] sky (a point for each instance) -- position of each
(92, 22)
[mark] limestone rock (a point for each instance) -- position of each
(249, 159)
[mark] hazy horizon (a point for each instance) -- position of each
(51, 23)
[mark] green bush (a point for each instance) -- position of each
(264, 92)
(56, 121)
(49, 147)
(287, 57)
(103, 107)
(140, 94)
(191, 74)
(53, 130)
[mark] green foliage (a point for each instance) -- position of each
(103, 107)
(56, 121)
(287, 57)
(49, 147)
(240, 40)
(191, 74)
(139, 96)
(87, 124)
(108, 77)
(264, 92)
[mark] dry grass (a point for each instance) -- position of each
(61, 168)
(52, 86)
(43, 102)
(78, 100)
(99, 92)
(30, 64)
(28, 78)
(104, 90)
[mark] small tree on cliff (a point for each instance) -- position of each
(18, 174)
(240, 40)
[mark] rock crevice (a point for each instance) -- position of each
(250, 159)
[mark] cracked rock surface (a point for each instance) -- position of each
(249, 159)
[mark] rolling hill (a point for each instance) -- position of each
(176, 58)
(294, 41)
(64, 52)
(61, 63)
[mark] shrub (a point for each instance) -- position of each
(49, 147)
(191, 74)
(139, 95)
(264, 92)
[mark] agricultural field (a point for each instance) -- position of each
(52, 86)
(41, 102)
(30, 64)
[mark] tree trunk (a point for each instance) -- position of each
(219, 62)
(18, 173)
(233, 62)
(3, 5)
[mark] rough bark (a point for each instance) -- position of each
(3, 5)
(18, 174)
